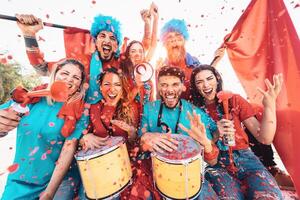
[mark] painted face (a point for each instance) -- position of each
(174, 44)
(72, 75)
(107, 45)
(206, 83)
(136, 54)
(111, 88)
(170, 89)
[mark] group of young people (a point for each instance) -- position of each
(105, 99)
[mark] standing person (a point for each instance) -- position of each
(106, 36)
(180, 117)
(117, 115)
(174, 35)
(258, 183)
(99, 51)
(43, 154)
(141, 52)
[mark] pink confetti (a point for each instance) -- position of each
(34, 151)
(44, 156)
(51, 124)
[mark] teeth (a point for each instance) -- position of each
(208, 91)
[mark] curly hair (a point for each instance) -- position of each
(123, 110)
(107, 23)
(174, 25)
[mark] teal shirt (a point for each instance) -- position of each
(171, 117)
(39, 142)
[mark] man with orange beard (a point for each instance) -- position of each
(174, 34)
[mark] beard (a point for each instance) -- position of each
(176, 55)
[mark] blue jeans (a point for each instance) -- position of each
(207, 192)
(68, 188)
(252, 180)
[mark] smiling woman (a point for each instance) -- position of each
(51, 143)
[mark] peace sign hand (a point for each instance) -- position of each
(269, 96)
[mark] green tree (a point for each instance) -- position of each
(10, 77)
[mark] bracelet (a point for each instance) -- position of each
(213, 154)
(30, 42)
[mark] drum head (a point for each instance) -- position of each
(112, 143)
(187, 150)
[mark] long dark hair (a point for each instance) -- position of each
(126, 64)
(197, 98)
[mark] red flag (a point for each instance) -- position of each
(79, 45)
(262, 43)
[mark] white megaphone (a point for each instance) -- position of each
(144, 70)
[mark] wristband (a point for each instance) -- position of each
(30, 42)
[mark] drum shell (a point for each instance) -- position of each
(107, 174)
(170, 178)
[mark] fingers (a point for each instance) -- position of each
(163, 142)
(92, 141)
(278, 81)
(28, 19)
(121, 124)
(9, 120)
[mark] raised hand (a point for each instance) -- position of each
(197, 130)
(146, 15)
(269, 96)
(159, 142)
(29, 24)
(154, 10)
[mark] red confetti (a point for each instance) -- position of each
(13, 168)
(297, 5)
(9, 57)
(47, 16)
(93, 2)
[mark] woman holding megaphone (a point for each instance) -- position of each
(46, 135)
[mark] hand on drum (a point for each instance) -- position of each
(91, 141)
(159, 142)
(225, 127)
(131, 130)
(197, 130)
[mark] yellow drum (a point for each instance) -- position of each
(178, 175)
(105, 172)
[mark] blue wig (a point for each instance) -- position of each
(106, 23)
(175, 25)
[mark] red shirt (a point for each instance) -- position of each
(240, 110)
(101, 116)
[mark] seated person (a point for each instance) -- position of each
(179, 117)
(249, 172)
(116, 115)
(47, 139)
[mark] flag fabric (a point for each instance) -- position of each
(79, 45)
(264, 42)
